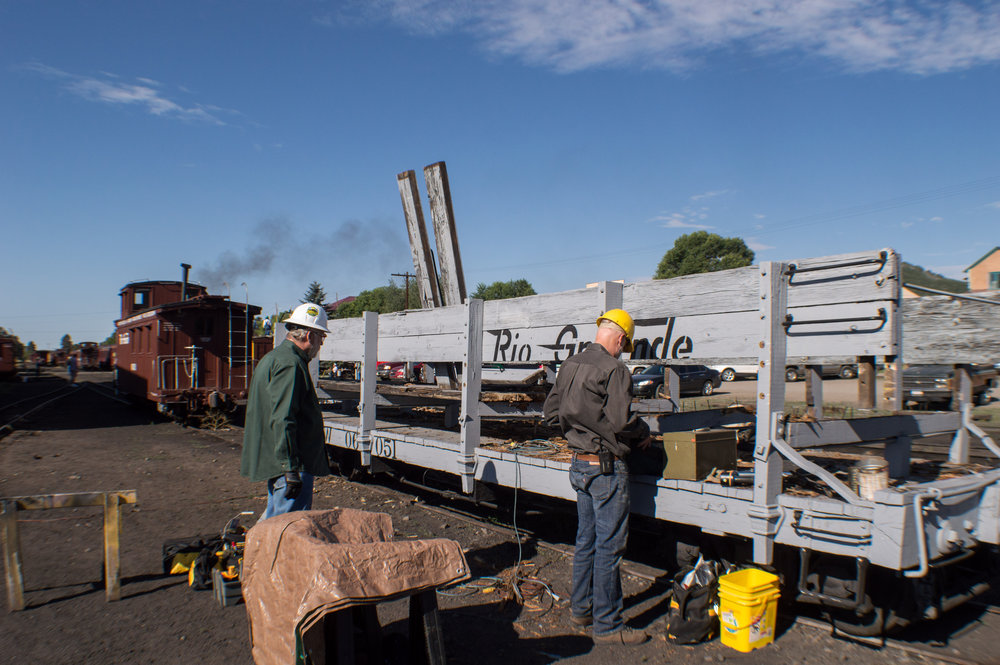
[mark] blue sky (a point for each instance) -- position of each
(259, 141)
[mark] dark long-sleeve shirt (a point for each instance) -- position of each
(284, 424)
(590, 402)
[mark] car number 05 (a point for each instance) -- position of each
(382, 447)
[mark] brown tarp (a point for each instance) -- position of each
(300, 566)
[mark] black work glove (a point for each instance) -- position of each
(293, 484)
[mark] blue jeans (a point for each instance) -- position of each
(277, 504)
(602, 508)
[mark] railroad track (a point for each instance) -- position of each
(887, 644)
(13, 412)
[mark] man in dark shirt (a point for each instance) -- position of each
(283, 436)
(590, 403)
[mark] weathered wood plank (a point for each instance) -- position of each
(736, 290)
(420, 248)
(70, 500)
(697, 316)
(939, 329)
(112, 555)
(452, 282)
(469, 419)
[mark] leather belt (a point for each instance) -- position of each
(593, 458)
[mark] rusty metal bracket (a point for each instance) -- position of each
(858, 603)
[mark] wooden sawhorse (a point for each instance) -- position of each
(112, 502)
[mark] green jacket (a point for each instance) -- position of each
(284, 424)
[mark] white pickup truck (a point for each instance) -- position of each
(733, 372)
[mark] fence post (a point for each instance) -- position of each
(12, 556)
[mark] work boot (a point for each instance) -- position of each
(584, 620)
(623, 636)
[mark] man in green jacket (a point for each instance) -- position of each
(283, 437)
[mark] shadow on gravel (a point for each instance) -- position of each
(939, 633)
(469, 628)
(81, 589)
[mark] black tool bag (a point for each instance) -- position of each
(179, 554)
(693, 616)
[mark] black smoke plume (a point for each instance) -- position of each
(352, 251)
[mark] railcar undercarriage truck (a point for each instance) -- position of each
(905, 551)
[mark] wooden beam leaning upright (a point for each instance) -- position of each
(452, 281)
(420, 248)
(110, 501)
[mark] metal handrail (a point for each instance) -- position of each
(952, 295)
(882, 316)
(883, 256)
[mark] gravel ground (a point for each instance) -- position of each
(188, 483)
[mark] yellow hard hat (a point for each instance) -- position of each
(624, 321)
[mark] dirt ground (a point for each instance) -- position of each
(188, 483)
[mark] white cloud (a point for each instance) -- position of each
(682, 220)
(858, 35)
(757, 245)
(995, 204)
(690, 217)
(709, 195)
(108, 88)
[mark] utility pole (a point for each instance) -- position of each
(407, 277)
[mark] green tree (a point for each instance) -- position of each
(922, 277)
(702, 251)
(515, 288)
(66, 343)
(383, 299)
(30, 350)
(111, 339)
(315, 294)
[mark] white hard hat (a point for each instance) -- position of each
(309, 315)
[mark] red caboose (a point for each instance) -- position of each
(8, 364)
(105, 356)
(86, 356)
(182, 348)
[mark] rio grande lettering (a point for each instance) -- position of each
(507, 348)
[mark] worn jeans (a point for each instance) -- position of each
(602, 508)
(277, 504)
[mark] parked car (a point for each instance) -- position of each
(696, 379)
(933, 385)
(733, 372)
(842, 371)
(396, 371)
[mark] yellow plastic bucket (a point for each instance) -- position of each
(748, 607)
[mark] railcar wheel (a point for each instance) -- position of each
(879, 621)
(728, 374)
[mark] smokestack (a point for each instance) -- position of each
(184, 288)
